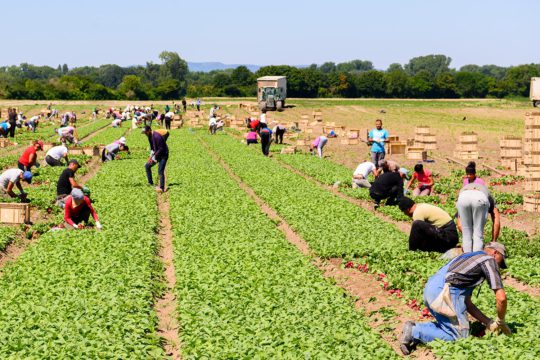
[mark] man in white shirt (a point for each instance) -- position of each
(11, 178)
(54, 156)
(361, 174)
(263, 117)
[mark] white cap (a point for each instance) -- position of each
(122, 140)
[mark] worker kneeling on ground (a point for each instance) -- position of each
(110, 152)
(432, 228)
(448, 297)
(78, 209)
(66, 183)
(11, 178)
(389, 186)
(360, 175)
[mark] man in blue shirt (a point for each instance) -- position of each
(377, 137)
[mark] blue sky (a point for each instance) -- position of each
(95, 32)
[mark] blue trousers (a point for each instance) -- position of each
(161, 172)
(444, 328)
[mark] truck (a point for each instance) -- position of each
(535, 91)
(271, 92)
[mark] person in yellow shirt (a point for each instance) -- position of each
(432, 228)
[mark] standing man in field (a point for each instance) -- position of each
(448, 297)
(184, 104)
(159, 155)
(378, 137)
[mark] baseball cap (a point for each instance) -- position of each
(77, 194)
(122, 140)
(27, 176)
(145, 129)
(40, 143)
(405, 172)
(500, 249)
(74, 162)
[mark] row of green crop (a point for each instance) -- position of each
(243, 291)
(107, 136)
(335, 228)
(88, 294)
(524, 262)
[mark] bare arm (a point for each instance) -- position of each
(409, 183)
(9, 189)
(74, 184)
(500, 297)
(476, 312)
(430, 181)
(32, 159)
(459, 224)
(496, 228)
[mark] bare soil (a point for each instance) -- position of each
(165, 306)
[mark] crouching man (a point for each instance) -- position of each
(448, 297)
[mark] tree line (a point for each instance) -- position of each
(422, 77)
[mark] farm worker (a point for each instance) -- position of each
(213, 111)
(254, 125)
(198, 103)
(95, 112)
(425, 181)
(388, 185)
(32, 124)
(54, 156)
(448, 297)
(473, 205)
(184, 104)
(387, 165)
(332, 134)
(65, 119)
(263, 116)
(159, 155)
(110, 152)
(266, 138)
(432, 228)
(29, 156)
(319, 143)
(4, 129)
(212, 124)
(116, 123)
(377, 137)
(360, 175)
(470, 175)
(77, 211)
(67, 134)
(166, 108)
(66, 182)
(169, 116)
(11, 178)
(12, 119)
(251, 137)
(279, 131)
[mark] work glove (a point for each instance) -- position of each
(498, 325)
(79, 226)
(37, 165)
(493, 325)
(98, 225)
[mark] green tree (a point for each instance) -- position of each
(132, 88)
(173, 67)
(242, 76)
(434, 64)
(371, 84)
(355, 66)
(397, 84)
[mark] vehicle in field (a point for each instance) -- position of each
(535, 91)
(272, 92)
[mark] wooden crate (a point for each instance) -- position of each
(414, 153)
(354, 141)
(14, 213)
(468, 138)
(466, 147)
(531, 158)
(177, 117)
(397, 148)
(466, 155)
(289, 150)
(510, 164)
(422, 130)
(531, 146)
(4, 142)
(76, 151)
(302, 142)
(531, 202)
(91, 150)
(354, 133)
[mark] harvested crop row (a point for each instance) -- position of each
(335, 228)
(524, 263)
(87, 294)
(243, 290)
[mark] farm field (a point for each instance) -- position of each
(251, 257)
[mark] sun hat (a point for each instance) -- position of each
(405, 172)
(27, 176)
(501, 249)
(122, 140)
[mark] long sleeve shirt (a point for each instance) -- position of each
(70, 212)
(159, 145)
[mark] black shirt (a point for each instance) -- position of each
(64, 185)
(386, 181)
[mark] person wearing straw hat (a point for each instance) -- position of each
(77, 211)
(11, 178)
(447, 295)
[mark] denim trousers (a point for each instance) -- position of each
(161, 172)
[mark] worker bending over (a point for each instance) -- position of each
(110, 152)
(66, 182)
(77, 211)
(251, 137)
(11, 178)
(279, 132)
(319, 143)
(360, 175)
(448, 297)
(159, 155)
(29, 156)
(432, 228)
(389, 186)
(54, 156)
(266, 138)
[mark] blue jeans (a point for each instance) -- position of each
(161, 172)
(444, 328)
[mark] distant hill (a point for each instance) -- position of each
(209, 66)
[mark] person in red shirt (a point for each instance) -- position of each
(254, 125)
(29, 156)
(77, 211)
(424, 179)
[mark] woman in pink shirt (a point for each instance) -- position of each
(251, 137)
(318, 144)
(470, 175)
(425, 181)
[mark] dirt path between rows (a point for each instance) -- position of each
(405, 227)
(371, 298)
(165, 306)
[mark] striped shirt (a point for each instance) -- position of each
(470, 270)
